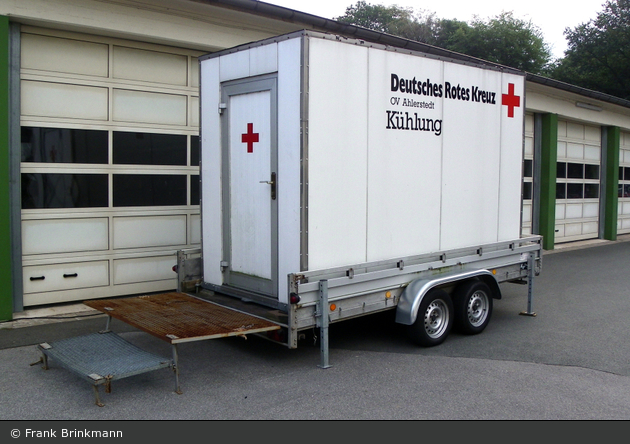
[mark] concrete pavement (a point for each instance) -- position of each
(570, 362)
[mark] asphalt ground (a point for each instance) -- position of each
(569, 362)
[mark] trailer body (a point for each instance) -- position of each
(336, 173)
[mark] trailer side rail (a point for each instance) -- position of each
(371, 287)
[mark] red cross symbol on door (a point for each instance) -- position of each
(250, 137)
(511, 100)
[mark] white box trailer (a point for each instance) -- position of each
(341, 178)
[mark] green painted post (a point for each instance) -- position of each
(548, 161)
(610, 187)
(6, 289)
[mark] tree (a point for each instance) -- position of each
(395, 20)
(598, 53)
(504, 39)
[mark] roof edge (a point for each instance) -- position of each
(596, 95)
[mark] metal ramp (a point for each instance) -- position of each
(101, 358)
(172, 317)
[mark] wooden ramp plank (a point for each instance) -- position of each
(179, 317)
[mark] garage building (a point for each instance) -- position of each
(99, 153)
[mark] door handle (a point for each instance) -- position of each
(271, 182)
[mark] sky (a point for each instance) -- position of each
(551, 16)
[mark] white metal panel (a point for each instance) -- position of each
(590, 228)
(195, 229)
(559, 229)
(144, 269)
(194, 72)
(512, 110)
(48, 99)
(572, 230)
(592, 134)
(562, 149)
(250, 208)
(150, 66)
(404, 166)
(211, 205)
(527, 214)
(591, 209)
(592, 152)
(529, 146)
(149, 231)
(65, 235)
(472, 158)
(575, 130)
(263, 59)
(64, 55)
(43, 278)
(574, 211)
(289, 157)
(149, 107)
(194, 111)
(575, 151)
(560, 211)
(337, 154)
(234, 66)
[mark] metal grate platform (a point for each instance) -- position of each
(101, 358)
(173, 317)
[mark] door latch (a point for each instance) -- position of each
(271, 182)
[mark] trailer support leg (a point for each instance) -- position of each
(107, 324)
(530, 286)
(176, 369)
(323, 323)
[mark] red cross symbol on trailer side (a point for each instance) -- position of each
(511, 100)
(250, 137)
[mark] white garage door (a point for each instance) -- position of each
(577, 182)
(110, 165)
(623, 221)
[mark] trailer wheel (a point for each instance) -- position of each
(434, 321)
(472, 302)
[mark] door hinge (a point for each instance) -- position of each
(222, 106)
(224, 265)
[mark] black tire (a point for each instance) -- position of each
(472, 303)
(434, 320)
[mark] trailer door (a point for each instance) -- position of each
(249, 130)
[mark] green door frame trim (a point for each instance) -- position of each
(548, 161)
(611, 139)
(6, 272)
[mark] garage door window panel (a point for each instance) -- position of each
(195, 156)
(140, 190)
(63, 145)
(131, 148)
(50, 190)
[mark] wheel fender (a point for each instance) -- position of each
(412, 295)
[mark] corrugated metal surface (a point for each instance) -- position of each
(178, 317)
